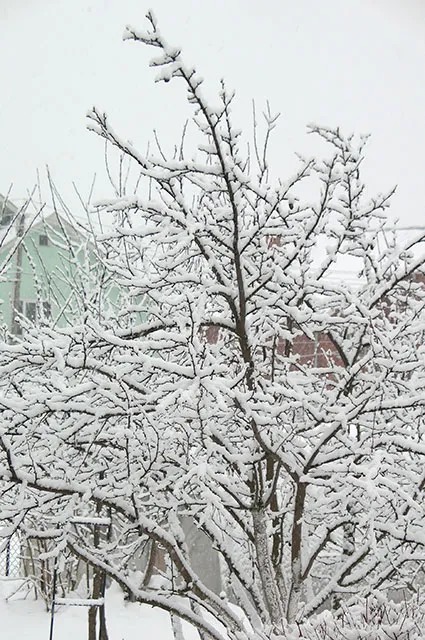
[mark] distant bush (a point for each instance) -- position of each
(372, 619)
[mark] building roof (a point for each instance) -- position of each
(8, 211)
(18, 222)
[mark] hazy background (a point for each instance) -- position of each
(358, 64)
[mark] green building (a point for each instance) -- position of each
(40, 260)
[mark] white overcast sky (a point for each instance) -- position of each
(359, 64)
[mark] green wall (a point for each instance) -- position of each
(48, 273)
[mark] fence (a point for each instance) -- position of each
(10, 557)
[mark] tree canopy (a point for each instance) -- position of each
(239, 384)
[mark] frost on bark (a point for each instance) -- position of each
(267, 574)
(216, 369)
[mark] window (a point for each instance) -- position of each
(34, 311)
(6, 219)
(43, 240)
(46, 309)
(16, 325)
(31, 311)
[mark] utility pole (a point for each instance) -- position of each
(16, 298)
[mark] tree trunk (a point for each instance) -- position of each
(92, 623)
(99, 582)
(176, 626)
(265, 567)
(296, 566)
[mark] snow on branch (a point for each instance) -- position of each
(231, 410)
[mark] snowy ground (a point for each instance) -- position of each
(24, 618)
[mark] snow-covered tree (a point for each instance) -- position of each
(240, 386)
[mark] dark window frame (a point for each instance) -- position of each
(34, 311)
